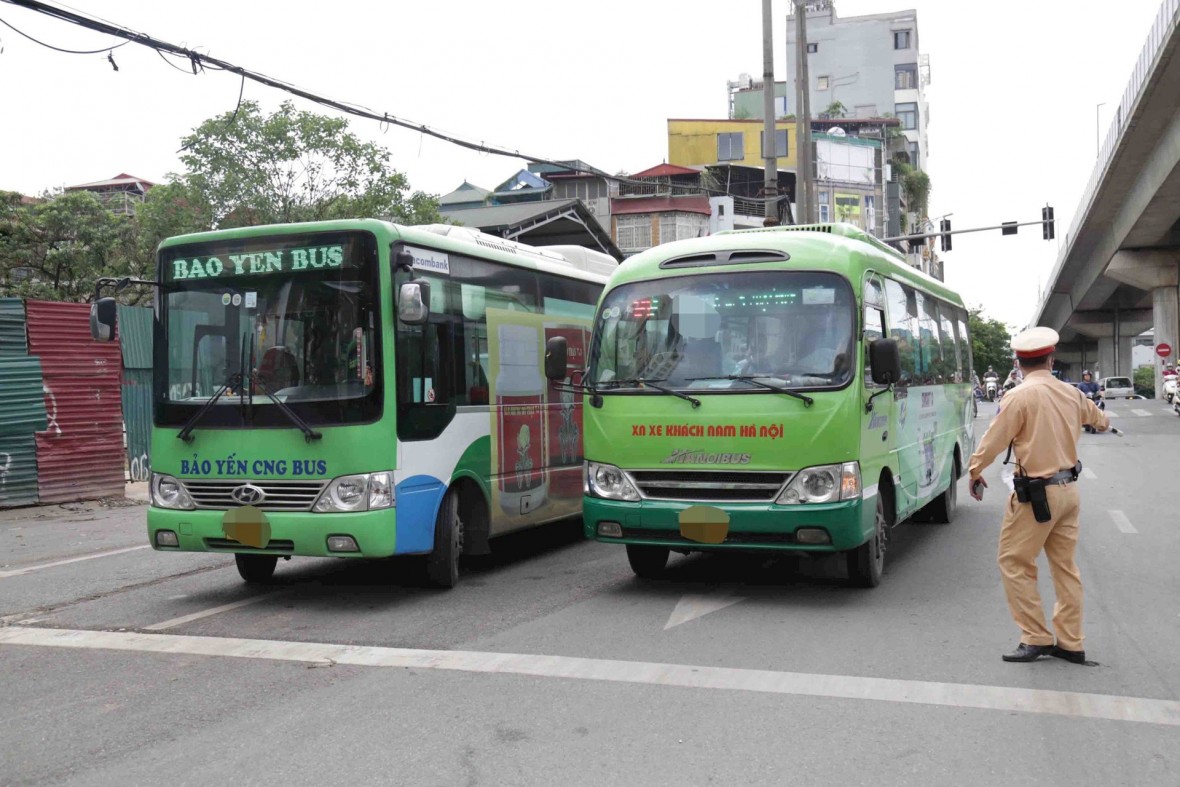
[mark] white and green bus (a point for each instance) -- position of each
(361, 389)
(796, 389)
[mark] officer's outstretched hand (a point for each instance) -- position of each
(977, 487)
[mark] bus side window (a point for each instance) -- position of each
(903, 327)
(874, 329)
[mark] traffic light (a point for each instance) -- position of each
(944, 226)
(1047, 223)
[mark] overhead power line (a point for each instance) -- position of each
(199, 61)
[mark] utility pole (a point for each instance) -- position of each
(769, 143)
(805, 193)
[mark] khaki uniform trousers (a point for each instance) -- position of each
(1022, 538)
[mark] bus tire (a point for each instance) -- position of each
(866, 563)
(256, 569)
(941, 510)
(647, 562)
(442, 565)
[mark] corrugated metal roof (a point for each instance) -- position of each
(22, 405)
(12, 327)
(135, 336)
(18, 471)
(80, 454)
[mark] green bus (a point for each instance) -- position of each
(361, 389)
(794, 389)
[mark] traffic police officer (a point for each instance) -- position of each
(1041, 420)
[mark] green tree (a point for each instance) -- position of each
(1145, 381)
(989, 343)
(245, 168)
(836, 110)
(56, 248)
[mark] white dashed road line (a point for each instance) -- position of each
(1112, 414)
(1089, 474)
(1122, 522)
(180, 621)
(957, 695)
(1143, 413)
(16, 572)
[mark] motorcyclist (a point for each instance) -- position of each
(1091, 390)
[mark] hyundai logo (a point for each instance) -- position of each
(247, 495)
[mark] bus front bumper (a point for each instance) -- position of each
(291, 533)
(752, 526)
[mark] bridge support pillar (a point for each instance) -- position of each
(1114, 357)
(1158, 272)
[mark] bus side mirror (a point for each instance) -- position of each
(885, 361)
(102, 319)
(413, 302)
(555, 358)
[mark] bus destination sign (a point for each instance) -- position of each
(256, 263)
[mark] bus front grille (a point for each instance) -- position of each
(277, 495)
(709, 485)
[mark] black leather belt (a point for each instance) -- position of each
(1065, 476)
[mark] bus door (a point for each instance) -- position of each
(902, 326)
(880, 423)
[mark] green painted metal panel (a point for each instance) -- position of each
(135, 336)
(137, 420)
(22, 401)
(12, 327)
(18, 471)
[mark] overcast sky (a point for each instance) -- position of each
(1013, 98)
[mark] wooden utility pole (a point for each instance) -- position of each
(804, 189)
(769, 145)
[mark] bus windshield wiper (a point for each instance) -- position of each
(753, 380)
(309, 434)
(642, 383)
(185, 433)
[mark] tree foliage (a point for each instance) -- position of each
(246, 168)
(989, 343)
(55, 248)
(242, 168)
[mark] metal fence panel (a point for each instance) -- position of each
(80, 454)
(135, 336)
(22, 404)
(18, 471)
(12, 327)
(137, 418)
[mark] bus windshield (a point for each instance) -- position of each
(707, 331)
(296, 317)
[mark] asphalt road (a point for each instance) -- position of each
(552, 664)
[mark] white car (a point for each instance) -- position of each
(1118, 388)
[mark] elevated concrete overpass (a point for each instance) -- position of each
(1119, 267)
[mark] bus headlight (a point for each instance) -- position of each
(609, 482)
(167, 492)
(822, 484)
(359, 492)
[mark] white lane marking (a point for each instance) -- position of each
(1112, 414)
(1089, 474)
(692, 606)
(958, 695)
(1122, 522)
(180, 621)
(16, 572)
(1143, 413)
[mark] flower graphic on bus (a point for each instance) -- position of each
(524, 462)
(568, 435)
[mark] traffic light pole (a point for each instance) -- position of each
(926, 235)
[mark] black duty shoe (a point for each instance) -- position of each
(1026, 652)
(1072, 656)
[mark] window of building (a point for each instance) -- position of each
(905, 77)
(633, 232)
(682, 226)
(907, 114)
(812, 49)
(825, 209)
(731, 146)
(915, 157)
(870, 214)
(780, 106)
(901, 39)
(821, 83)
(780, 144)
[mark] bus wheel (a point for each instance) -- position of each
(866, 563)
(256, 569)
(647, 561)
(442, 566)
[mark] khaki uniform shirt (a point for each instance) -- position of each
(1042, 417)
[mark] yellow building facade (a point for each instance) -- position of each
(696, 143)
